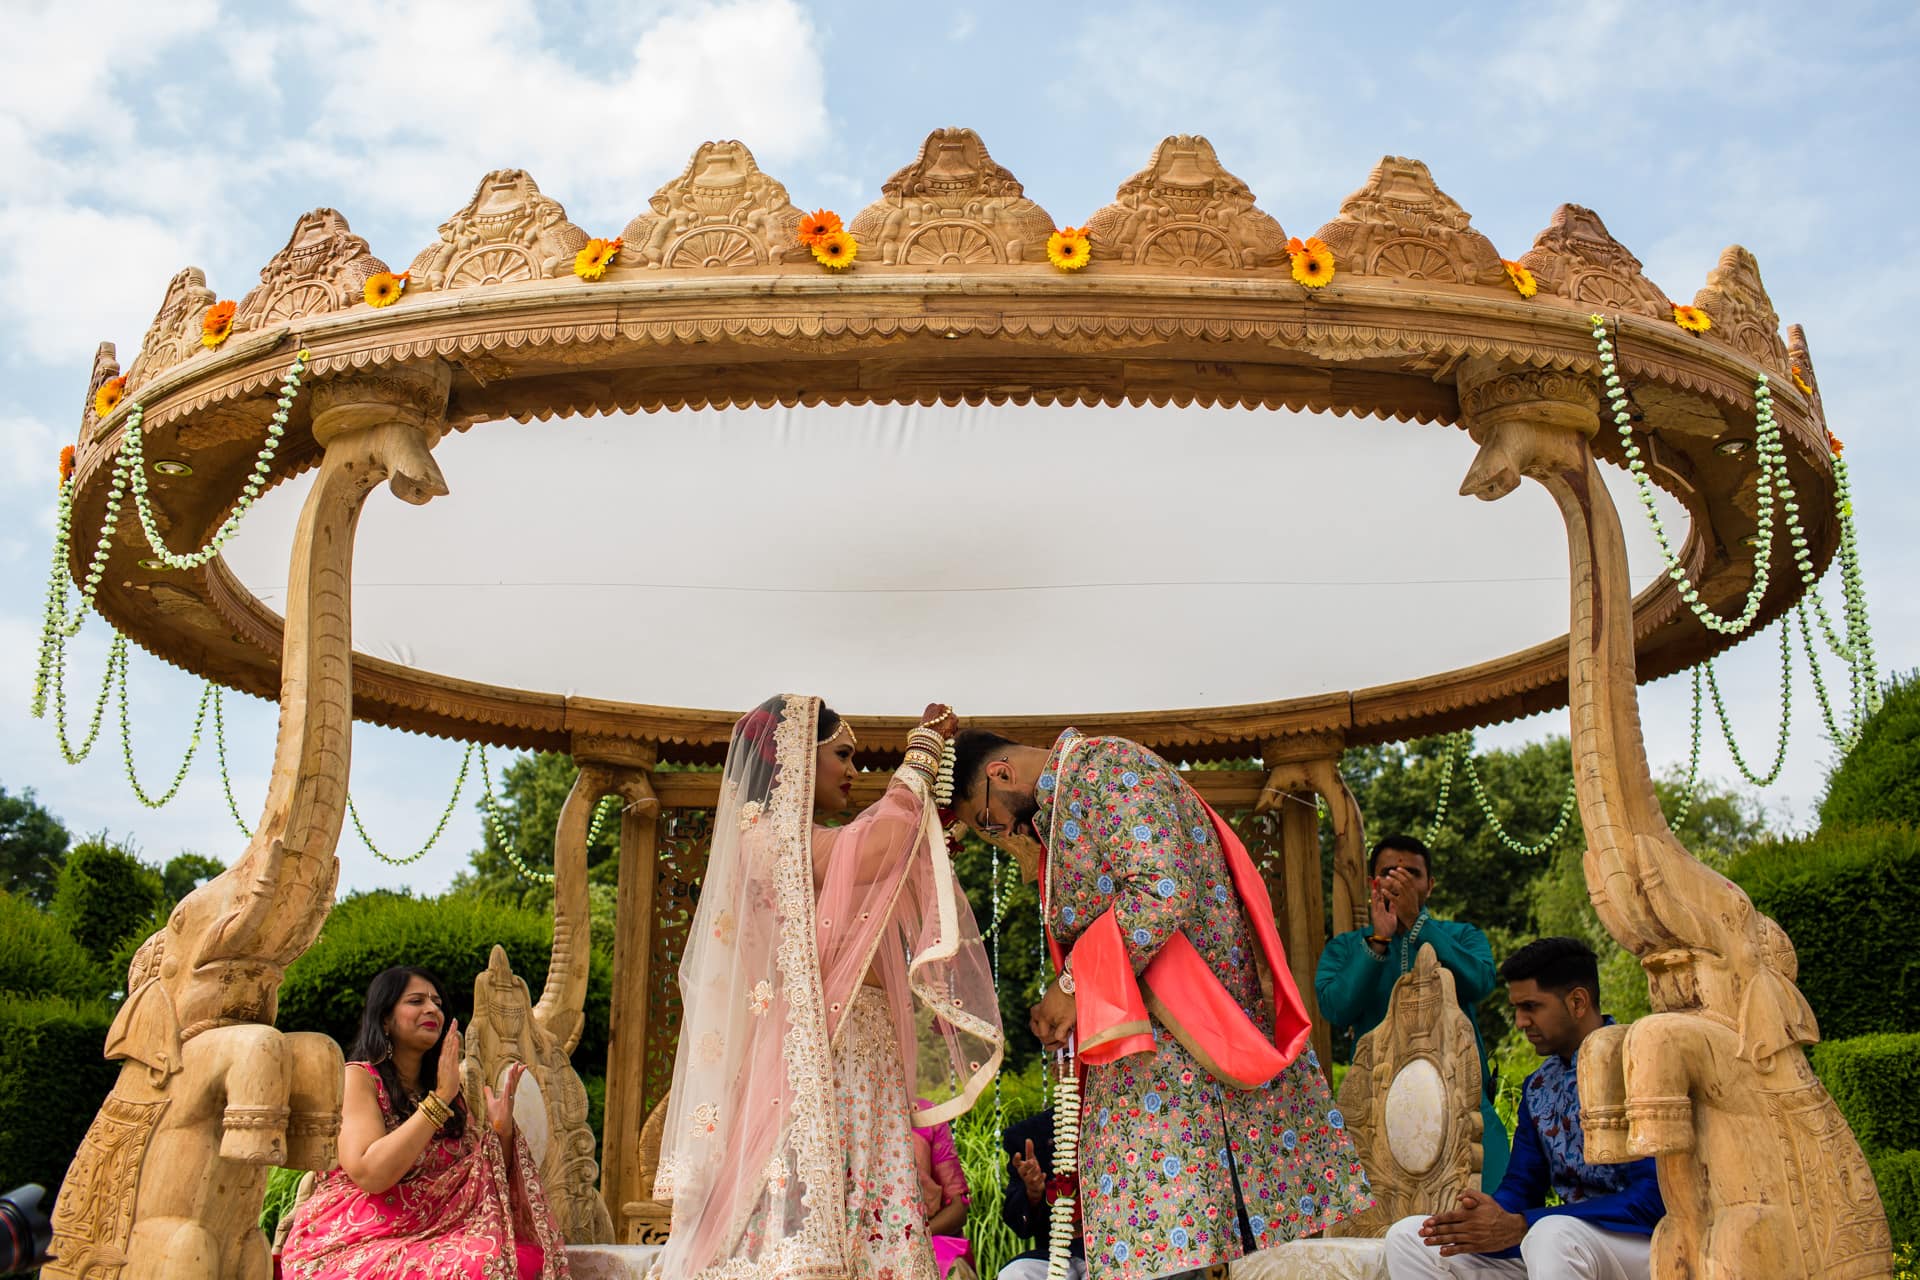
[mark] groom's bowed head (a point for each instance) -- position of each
(996, 794)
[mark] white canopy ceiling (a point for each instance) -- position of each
(1009, 560)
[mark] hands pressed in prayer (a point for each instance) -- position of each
(1386, 921)
(1478, 1225)
(500, 1105)
(1052, 1020)
(447, 1080)
(1395, 888)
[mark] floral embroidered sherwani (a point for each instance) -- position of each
(1164, 1145)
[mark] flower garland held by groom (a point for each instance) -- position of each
(1208, 1130)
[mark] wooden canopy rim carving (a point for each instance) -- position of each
(1365, 346)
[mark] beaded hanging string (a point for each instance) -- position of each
(1455, 745)
(1064, 1194)
(608, 806)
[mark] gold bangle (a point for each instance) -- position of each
(436, 1111)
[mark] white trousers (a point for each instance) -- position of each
(1036, 1269)
(1555, 1248)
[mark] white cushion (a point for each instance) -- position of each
(529, 1111)
(614, 1261)
(1314, 1260)
(1417, 1116)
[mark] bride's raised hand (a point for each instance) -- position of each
(939, 717)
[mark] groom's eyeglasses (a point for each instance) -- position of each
(991, 830)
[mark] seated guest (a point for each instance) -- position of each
(945, 1197)
(1358, 969)
(1602, 1229)
(1029, 1148)
(423, 1188)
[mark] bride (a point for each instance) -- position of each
(832, 975)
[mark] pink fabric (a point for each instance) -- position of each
(459, 1213)
(952, 1177)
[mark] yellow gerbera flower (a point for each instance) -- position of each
(1522, 278)
(1069, 248)
(1800, 381)
(216, 324)
(384, 288)
(836, 249)
(1692, 319)
(1312, 261)
(592, 262)
(108, 396)
(817, 226)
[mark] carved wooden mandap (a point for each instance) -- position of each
(1188, 298)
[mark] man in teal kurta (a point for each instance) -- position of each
(1358, 969)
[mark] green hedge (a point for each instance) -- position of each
(1879, 779)
(1897, 1174)
(1876, 1081)
(39, 958)
(52, 1080)
(1846, 898)
(325, 989)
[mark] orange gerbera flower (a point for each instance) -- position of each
(817, 226)
(1692, 319)
(384, 288)
(592, 262)
(1069, 248)
(836, 249)
(1800, 381)
(1833, 444)
(1522, 278)
(1312, 261)
(66, 464)
(108, 396)
(216, 324)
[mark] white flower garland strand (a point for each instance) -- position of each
(1066, 1159)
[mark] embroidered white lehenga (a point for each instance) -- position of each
(787, 1150)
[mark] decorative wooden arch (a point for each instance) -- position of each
(712, 305)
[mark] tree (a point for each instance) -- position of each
(104, 895)
(1879, 779)
(531, 793)
(185, 873)
(33, 844)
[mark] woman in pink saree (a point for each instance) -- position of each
(832, 975)
(421, 1188)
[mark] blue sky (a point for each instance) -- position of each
(140, 138)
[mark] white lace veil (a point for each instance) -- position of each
(788, 924)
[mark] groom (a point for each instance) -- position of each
(1207, 1129)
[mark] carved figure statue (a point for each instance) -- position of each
(1576, 257)
(1186, 212)
(175, 332)
(953, 206)
(1400, 224)
(1412, 1102)
(1760, 1173)
(507, 233)
(1743, 314)
(323, 268)
(720, 212)
(168, 1180)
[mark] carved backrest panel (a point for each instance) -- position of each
(1412, 1101)
(1185, 211)
(685, 837)
(1576, 257)
(953, 206)
(503, 1030)
(175, 332)
(323, 268)
(720, 212)
(1400, 224)
(507, 233)
(1743, 314)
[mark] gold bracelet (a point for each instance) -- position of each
(926, 740)
(436, 1111)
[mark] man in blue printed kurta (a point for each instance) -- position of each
(1359, 968)
(1189, 1156)
(1602, 1227)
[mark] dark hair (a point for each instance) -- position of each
(1557, 964)
(1400, 844)
(971, 749)
(372, 1046)
(829, 723)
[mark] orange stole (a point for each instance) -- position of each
(1183, 995)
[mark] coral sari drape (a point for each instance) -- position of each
(462, 1212)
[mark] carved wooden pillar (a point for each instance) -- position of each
(1304, 768)
(167, 1182)
(627, 767)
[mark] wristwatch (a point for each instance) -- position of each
(1066, 976)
